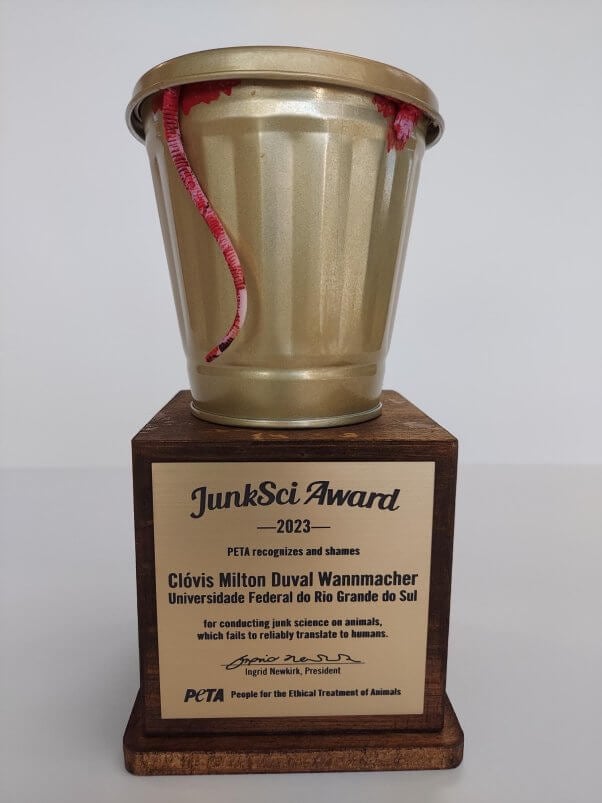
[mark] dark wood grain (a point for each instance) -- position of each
(402, 433)
(205, 754)
(174, 424)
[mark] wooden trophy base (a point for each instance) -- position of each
(230, 753)
(377, 502)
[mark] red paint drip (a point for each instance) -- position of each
(402, 119)
(205, 92)
(173, 137)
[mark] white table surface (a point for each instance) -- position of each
(525, 657)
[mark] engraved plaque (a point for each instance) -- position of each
(292, 588)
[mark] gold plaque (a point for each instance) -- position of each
(292, 588)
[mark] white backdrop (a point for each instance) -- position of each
(498, 328)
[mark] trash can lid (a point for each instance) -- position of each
(286, 64)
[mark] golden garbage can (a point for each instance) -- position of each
(285, 180)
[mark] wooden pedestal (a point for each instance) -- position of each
(156, 744)
(232, 753)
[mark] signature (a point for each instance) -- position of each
(320, 658)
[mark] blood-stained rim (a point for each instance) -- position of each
(286, 64)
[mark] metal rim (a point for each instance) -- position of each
(286, 64)
(299, 423)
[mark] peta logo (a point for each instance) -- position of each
(204, 695)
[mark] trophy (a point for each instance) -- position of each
(294, 523)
